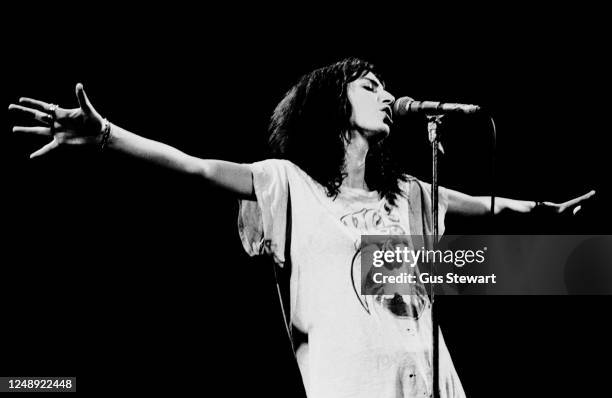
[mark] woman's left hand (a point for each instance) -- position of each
(573, 205)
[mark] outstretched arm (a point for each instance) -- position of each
(234, 177)
(84, 126)
(466, 205)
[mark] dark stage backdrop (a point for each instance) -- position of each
(126, 274)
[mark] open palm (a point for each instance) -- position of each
(77, 126)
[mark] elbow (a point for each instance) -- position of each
(203, 169)
(197, 167)
(498, 207)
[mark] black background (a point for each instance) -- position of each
(126, 274)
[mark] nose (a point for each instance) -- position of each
(387, 98)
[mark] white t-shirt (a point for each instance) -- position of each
(357, 346)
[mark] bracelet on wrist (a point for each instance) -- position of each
(106, 130)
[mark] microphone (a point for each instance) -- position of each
(405, 105)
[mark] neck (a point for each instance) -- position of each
(356, 152)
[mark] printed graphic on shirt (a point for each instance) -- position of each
(406, 301)
(384, 221)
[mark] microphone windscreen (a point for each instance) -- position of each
(401, 106)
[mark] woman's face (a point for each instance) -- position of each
(371, 106)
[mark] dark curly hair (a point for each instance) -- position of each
(309, 126)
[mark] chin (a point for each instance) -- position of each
(384, 131)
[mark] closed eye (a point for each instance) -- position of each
(370, 84)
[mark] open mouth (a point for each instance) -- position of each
(388, 118)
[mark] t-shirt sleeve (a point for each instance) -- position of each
(262, 224)
(442, 204)
(420, 205)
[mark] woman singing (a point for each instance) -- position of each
(333, 180)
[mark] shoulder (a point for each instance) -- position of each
(271, 163)
(272, 166)
(413, 186)
(407, 182)
(282, 169)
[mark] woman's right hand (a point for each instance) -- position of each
(77, 126)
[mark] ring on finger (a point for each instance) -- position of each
(52, 109)
(50, 117)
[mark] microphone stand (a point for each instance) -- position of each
(433, 122)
